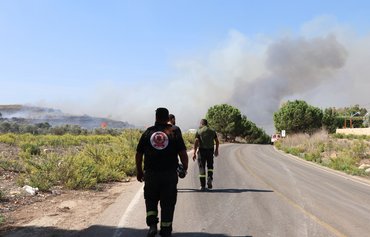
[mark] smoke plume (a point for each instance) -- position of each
(325, 67)
(294, 67)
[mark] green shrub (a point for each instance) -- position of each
(32, 149)
(43, 171)
(8, 138)
(278, 144)
(347, 164)
(79, 172)
(12, 165)
(189, 139)
(2, 219)
(77, 162)
(359, 149)
(314, 157)
(294, 150)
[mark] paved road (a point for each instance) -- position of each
(257, 192)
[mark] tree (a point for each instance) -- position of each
(225, 119)
(298, 116)
(228, 121)
(5, 127)
(329, 119)
(355, 113)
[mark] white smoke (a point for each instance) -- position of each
(326, 66)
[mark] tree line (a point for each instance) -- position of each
(45, 128)
(230, 123)
(300, 117)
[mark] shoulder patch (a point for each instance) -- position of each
(159, 140)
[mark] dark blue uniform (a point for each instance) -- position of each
(160, 145)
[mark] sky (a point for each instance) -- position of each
(123, 59)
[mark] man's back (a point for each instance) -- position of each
(206, 137)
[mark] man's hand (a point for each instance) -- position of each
(140, 176)
(216, 152)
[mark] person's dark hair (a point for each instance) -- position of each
(171, 116)
(204, 122)
(161, 114)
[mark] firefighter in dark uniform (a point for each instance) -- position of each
(160, 145)
(205, 139)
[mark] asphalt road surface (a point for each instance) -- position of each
(257, 191)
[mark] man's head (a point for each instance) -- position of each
(172, 119)
(203, 122)
(161, 115)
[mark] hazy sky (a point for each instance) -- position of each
(123, 59)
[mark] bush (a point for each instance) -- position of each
(2, 219)
(314, 157)
(43, 171)
(359, 150)
(80, 172)
(8, 138)
(31, 149)
(11, 165)
(294, 150)
(347, 164)
(189, 139)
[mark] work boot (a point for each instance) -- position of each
(165, 232)
(209, 182)
(165, 235)
(202, 188)
(152, 231)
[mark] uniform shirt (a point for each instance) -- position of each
(160, 145)
(206, 137)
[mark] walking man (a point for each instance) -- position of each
(205, 138)
(173, 122)
(160, 145)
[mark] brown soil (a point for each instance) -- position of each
(61, 209)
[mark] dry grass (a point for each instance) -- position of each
(337, 153)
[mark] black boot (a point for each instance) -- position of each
(152, 231)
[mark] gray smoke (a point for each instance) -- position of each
(294, 67)
(254, 74)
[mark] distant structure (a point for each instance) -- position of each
(192, 130)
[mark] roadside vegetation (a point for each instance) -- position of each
(311, 136)
(2, 219)
(71, 161)
(339, 152)
(300, 117)
(68, 156)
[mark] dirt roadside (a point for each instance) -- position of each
(61, 214)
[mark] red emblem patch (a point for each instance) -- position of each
(159, 140)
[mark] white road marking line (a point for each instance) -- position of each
(125, 217)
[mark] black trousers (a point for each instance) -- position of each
(205, 159)
(160, 187)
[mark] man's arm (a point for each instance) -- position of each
(139, 166)
(217, 145)
(196, 146)
(184, 159)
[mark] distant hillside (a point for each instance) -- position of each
(32, 115)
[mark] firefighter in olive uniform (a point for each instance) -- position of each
(205, 138)
(160, 145)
